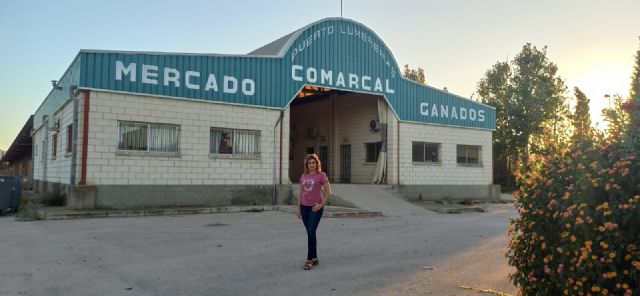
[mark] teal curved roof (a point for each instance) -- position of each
(336, 53)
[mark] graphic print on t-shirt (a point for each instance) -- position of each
(308, 184)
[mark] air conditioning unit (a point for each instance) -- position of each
(56, 125)
(374, 125)
(314, 133)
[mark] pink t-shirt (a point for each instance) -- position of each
(311, 185)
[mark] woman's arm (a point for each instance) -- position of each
(326, 196)
(327, 193)
(298, 207)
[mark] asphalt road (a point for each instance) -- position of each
(256, 254)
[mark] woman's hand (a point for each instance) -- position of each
(299, 215)
(317, 207)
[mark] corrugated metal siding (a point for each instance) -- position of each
(99, 72)
(57, 97)
(342, 51)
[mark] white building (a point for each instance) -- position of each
(138, 129)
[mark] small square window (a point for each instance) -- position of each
(468, 154)
(234, 141)
(373, 151)
(425, 152)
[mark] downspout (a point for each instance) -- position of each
(281, 131)
(332, 142)
(398, 158)
(45, 157)
(74, 137)
(85, 138)
(32, 176)
(274, 197)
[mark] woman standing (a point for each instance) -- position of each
(315, 192)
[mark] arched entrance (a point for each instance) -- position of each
(343, 128)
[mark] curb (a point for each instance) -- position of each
(335, 212)
(330, 212)
(74, 214)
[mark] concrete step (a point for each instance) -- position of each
(377, 198)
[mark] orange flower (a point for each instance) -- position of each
(625, 172)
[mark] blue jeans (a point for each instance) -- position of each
(311, 220)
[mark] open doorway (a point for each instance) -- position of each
(343, 128)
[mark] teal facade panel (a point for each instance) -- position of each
(335, 53)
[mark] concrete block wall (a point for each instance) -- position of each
(353, 114)
(193, 165)
(448, 171)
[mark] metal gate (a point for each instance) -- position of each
(345, 163)
(322, 153)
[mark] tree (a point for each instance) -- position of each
(617, 119)
(632, 106)
(528, 96)
(581, 118)
(416, 75)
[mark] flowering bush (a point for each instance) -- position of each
(578, 230)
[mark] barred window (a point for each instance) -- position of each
(468, 154)
(425, 152)
(69, 138)
(149, 137)
(372, 151)
(234, 141)
(54, 146)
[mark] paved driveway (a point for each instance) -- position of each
(255, 254)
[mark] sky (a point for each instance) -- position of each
(593, 43)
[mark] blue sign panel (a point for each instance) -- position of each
(335, 53)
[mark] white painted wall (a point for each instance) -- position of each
(58, 169)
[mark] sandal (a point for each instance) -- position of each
(315, 262)
(307, 265)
